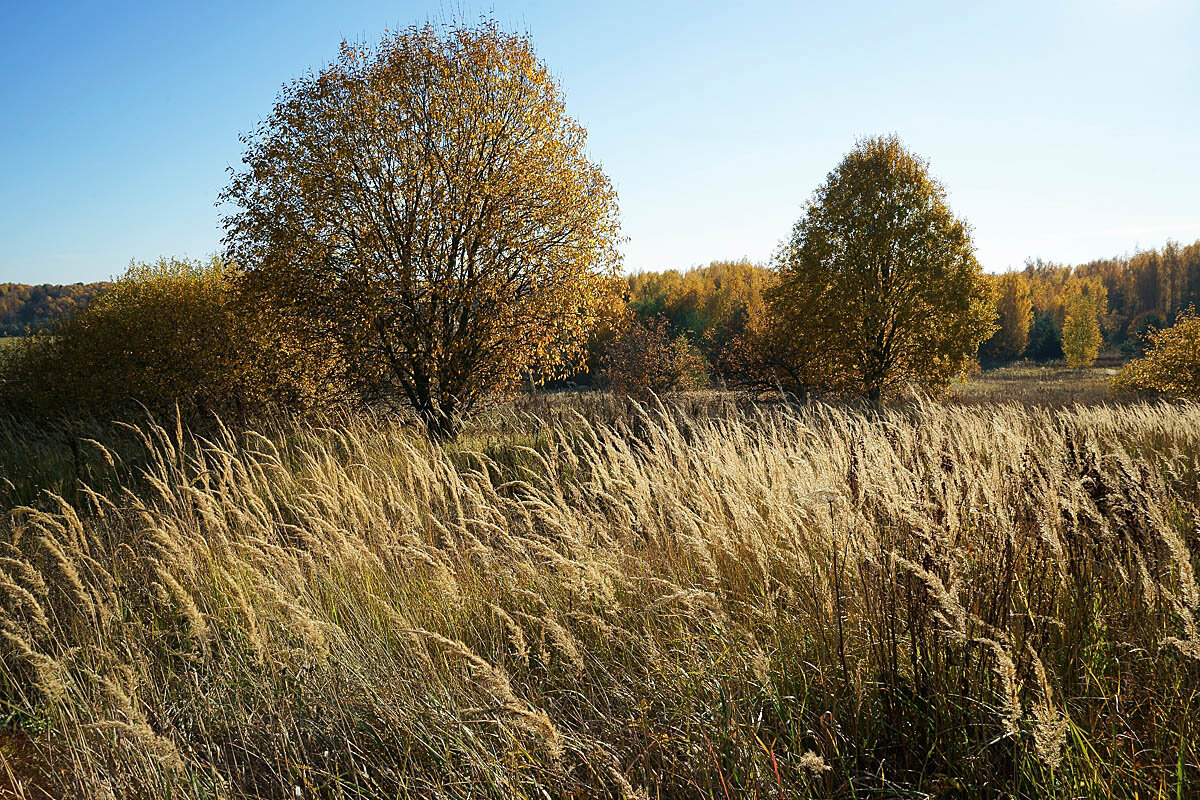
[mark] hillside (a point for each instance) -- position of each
(25, 307)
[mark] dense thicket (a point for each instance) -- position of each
(166, 336)
(644, 359)
(711, 306)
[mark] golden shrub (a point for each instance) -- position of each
(171, 333)
(1171, 367)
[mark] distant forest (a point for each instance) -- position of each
(709, 305)
(1166, 281)
(25, 308)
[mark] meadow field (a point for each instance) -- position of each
(1043, 385)
(587, 597)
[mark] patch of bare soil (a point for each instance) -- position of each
(19, 777)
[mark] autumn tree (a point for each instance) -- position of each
(1014, 308)
(1171, 366)
(878, 285)
(1081, 332)
(430, 204)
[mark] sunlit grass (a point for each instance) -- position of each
(583, 599)
(1031, 383)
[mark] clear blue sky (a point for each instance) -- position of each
(1065, 129)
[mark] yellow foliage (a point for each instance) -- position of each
(429, 202)
(1171, 367)
(1081, 331)
(711, 305)
(1014, 310)
(166, 334)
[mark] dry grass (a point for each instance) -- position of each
(702, 601)
(1044, 385)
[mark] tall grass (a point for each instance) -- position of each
(675, 602)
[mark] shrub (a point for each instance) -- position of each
(1171, 367)
(172, 333)
(644, 360)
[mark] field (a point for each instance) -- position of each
(584, 598)
(1043, 385)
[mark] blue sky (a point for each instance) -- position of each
(1065, 129)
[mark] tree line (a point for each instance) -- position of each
(28, 308)
(1116, 302)
(704, 311)
(418, 225)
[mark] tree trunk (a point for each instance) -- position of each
(441, 425)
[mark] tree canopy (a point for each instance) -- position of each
(429, 203)
(1014, 307)
(878, 285)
